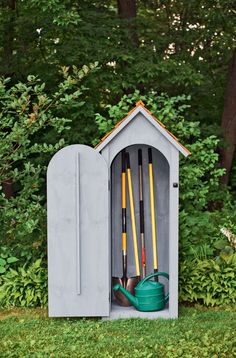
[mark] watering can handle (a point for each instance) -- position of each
(164, 274)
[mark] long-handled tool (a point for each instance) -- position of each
(133, 223)
(152, 208)
(123, 214)
(141, 212)
(128, 283)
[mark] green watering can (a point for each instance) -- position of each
(149, 295)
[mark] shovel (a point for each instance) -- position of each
(152, 208)
(124, 281)
(133, 223)
(141, 211)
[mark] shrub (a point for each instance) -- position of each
(6, 260)
(201, 234)
(32, 125)
(211, 282)
(25, 286)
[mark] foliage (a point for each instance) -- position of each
(197, 333)
(181, 47)
(6, 260)
(208, 258)
(31, 131)
(200, 232)
(211, 282)
(25, 287)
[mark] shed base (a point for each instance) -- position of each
(130, 312)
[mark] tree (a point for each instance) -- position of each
(161, 45)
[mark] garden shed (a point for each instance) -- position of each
(84, 206)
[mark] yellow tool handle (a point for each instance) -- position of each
(124, 242)
(131, 199)
(152, 207)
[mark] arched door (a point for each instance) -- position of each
(78, 233)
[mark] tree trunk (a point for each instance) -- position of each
(7, 188)
(127, 10)
(228, 122)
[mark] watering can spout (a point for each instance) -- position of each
(127, 294)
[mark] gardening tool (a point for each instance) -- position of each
(141, 212)
(149, 295)
(127, 283)
(152, 208)
(133, 223)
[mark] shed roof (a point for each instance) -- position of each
(140, 108)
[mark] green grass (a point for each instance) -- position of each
(199, 332)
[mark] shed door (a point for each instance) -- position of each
(78, 255)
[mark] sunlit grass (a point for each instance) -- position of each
(199, 332)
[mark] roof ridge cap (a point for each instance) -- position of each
(140, 103)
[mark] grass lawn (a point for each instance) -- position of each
(199, 332)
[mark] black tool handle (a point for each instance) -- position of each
(123, 161)
(123, 220)
(156, 277)
(141, 217)
(141, 205)
(140, 161)
(124, 263)
(150, 155)
(127, 160)
(123, 169)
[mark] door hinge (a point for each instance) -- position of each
(109, 185)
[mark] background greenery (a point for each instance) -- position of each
(71, 70)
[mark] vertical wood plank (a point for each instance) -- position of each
(174, 234)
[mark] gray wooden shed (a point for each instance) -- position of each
(83, 206)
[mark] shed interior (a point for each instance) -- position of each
(161, 174)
